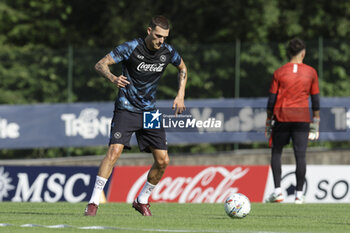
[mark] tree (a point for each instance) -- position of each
(35, 36)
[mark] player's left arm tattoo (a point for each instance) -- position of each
(179, 104)
(182, 77)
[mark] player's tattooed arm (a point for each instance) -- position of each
(102, 67)
(179, 104)
(182, 76)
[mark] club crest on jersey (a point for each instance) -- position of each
(156, 67)
(162, 58)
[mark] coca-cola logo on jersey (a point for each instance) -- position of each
(144, 67)
(211, 185)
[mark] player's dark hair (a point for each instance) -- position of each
(295, 46)
(160, 21)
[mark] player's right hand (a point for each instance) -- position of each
(179, 105)
(121, 81)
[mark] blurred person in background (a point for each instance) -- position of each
(143, 63)
(288, 116)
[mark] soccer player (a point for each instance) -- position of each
(143, 63)
(288, 108)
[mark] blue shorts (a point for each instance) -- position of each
(125, 123)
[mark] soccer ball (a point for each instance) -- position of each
(237, 205)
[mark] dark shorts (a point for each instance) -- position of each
(282, 132)
(125, 123)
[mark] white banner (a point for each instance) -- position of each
(324, 184)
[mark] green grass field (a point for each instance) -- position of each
(170, 217)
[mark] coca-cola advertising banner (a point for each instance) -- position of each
(190, 184)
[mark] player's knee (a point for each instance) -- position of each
(163, 161)
(166, 161)
(114, 153)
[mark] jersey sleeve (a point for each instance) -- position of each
(274, 84)
(314, 86)
(175, 57)
(123, 51)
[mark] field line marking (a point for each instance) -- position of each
(131, 229)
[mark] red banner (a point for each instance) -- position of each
(196, 184)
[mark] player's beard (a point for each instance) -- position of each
(157, 45)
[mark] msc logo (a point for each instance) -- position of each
(151, 120)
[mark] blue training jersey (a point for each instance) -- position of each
(143, 69)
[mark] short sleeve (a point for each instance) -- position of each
(123, 51)
(175, 57)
